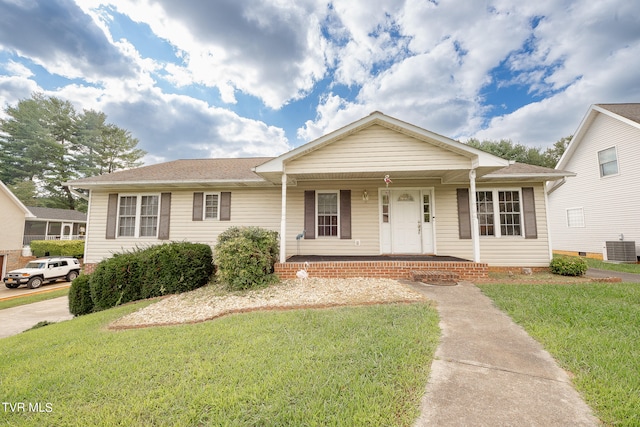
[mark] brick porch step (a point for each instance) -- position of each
(435, 277)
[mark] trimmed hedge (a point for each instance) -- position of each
(74, 248)
(80, 301)
(145, 273)
(245, 257)
(568, 266)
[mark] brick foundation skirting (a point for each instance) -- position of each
(381, 269)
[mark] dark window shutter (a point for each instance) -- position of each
(112, 216)
(197, 206)
(309, 214)
(165, 216)
(345, 214)
(225, 206)
(529, 209)
(464, 214)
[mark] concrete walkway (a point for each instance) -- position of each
(489, 372)
(18, 319)
(600, 274)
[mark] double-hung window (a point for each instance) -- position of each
(327, 214)
(499, 212)
(211, 206)
(138, 215)
(608, 162)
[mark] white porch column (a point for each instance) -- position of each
(283, 220)
(475, 228)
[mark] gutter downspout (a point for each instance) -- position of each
(475, 229)
(546, 210)
(283, 219)
(77, 193)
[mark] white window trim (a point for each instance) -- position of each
(337, 193)
(136, 233)
(204, 206)
(581, 216)
(615, 148)
(496, 214)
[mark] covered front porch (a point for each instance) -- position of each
(427, 268)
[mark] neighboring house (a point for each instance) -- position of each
(12, 220)
(54, 224)
(330, 197)
(22, 224)
(602, 203)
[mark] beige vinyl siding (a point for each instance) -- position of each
(377, 149)
(12, 219)
(611, 204)
(259, 207)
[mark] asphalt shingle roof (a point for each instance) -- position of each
(194, 170)
(629, 111)
(57, 214)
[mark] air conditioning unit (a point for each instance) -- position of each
(621, 251)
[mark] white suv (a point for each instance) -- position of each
(43, 270)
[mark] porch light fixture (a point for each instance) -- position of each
(365, 195)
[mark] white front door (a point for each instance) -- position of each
(406, 222)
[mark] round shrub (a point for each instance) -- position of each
(245, 257)
(80, 301)
(568, 266)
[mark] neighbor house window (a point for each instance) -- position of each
(138, 216)
(211, 206)
(608, 161)
(327, 214)
(507, 221)
(575, 217)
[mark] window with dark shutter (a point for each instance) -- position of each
(464, 214)
(529, 209)
(112, 216)
(345, 214)
(309, 214)
(225, 206)
(165, 216)
(197, 206)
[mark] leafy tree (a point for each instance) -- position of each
(44, 141)
(506, 149)
(555, 152)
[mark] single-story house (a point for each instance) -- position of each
(22, 224)
(597, 213)
(363, 199)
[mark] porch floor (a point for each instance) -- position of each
(354, 258)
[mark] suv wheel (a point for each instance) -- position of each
(71, 275)
(34, 282)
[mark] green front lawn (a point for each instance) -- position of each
(344, 366)
(28, 299)
(627, 268)
(593, 331)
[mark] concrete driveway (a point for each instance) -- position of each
(18, 319)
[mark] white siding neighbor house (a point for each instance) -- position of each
(602, 203)
(376, 187)
(21, 224)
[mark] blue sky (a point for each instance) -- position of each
(229, 78)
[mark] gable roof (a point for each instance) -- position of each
(276, 165)
(627, 113)
(57, 214)
(182, 172)
(12, 197)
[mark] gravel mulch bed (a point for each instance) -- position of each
(211, 302)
